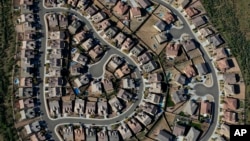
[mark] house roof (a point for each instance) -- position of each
(181, 79)
(108, 85)
(230, 78)
(189, 45)
(231, 103)
(191, 11)
(124, 95)
(193, 134)
(225, 130)
(189, 71)
(121, 8)
(179, 130)
(169, 18)
(201, 68)
(124, 131)
(172, 50)
(220, 53)
(161, 37)
(216, 40)
(178, 96)
(223, 65)
(199, 21)
(165, 136)
(160, 25)
(134, 125)
(91, 10)
(190, 107)
(144, 3)
(150, 66)
(230, 116)
(154, 77)
(135, 12)
(145, 57)
(206, 108)
(136, 50)
(104, 24)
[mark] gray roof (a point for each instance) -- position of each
(113, 135)
(216, 40)
(165, 136)
(193, 134)
(199, 21)
(136, 50)
(181, 79)
(178, 96)
(161, 25)
(202, 69)
(190, 107)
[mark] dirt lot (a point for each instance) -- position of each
(147, 32)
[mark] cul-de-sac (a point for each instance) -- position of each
(122, 70)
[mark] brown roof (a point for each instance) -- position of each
(135, 12)
(230, 78)
(189, 45)
(230, 116)
(231, 103)
(220, 53)
(134, 126)
(108, 85)
(179, 130)
(206, 107)
(120, 8)
(191, 11)
(189, 71)
(223, 65)
(104, 24)
(172, 50)
(169, 18)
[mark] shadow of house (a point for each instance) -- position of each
(230, 63)
(236, 88)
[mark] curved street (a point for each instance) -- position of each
(200, 89)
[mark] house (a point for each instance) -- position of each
(189, 71)
(164, 135)
(67, 133)
(104, 24)
(109, 3)
(82, 80)
(52, 21)
(225, 130)
(169, 17)
(205, 32)
(149, 108)
(193, 134)
(80, 58)
(231, 89)
(54, 62)
(66, 106)
(179, 130)
(124, 131)
(231, 103)
(161, 37)
(223, 65)
(120, 37)
(57, 35)
(79, 106)
(121, 8)
(144, 3)
(55, 81)
(82, 5)
(28, 45)
(90, 108)
(53, 91)
(91, 10)
(180, 79)
(220, 53)
(115, 62)
(124, 95)
(230, 78)
(160, 26)
(145, 57)
(25, 92)
(111, 32)
(102, 108)
(155, 87)
(136, 50)
(184, 3)
(190, 107)
(63, 21)
(102, 135)
(73, 3)
(79, 37)
(113, 135)
(189, 45)
(88, 44)
(35, 126)
(191, 11)
(206, 108)
(74, 26)
(199, 21)
(79, 134)
(90, 134)
(143, 118)
(128, 44)
(150, 66)
(178, 96)
(172, 50)
(153, 98)
(154, 77)
(216, 40)
(115, 104)
(54, 108)
(230, 117)
(107, 85)
(201, 68)
(98, 17)
(96, 87)
(26, 82)
(134, 125)
(123, 71)
(135, 12)
(96, 52)
(128, 83)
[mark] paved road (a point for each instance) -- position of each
(201, 90)
(53, 122)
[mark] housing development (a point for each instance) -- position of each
(132, 70)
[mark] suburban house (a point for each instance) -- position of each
(172, 50)
(199, 21)
(115, 62)
(88, 44)
(154, 77)
(201, 68)
(155, 87)
(128, 44)
(169, 18)
(67, 133)
(80, 58)
(122, 71)
(63, 21)
(128, 83)
(189, 45)
(79, 134)
(193, 134)
(124, 131)
(164, 135)
(54, 108)
(90, 108)
(111, 32)
(154, 98)
(220, 53)
(144, 3)
(102, 108)
(161, 37)
(91, 10)
(150, 66)
(231, 103)
(67, 107)
(178, 96)
(120, 37)
(102, 135)
(121, 8)
(96, 87)
(191, 11)
(98, 17)
(109, 3)
(189, 71)
(230, 78)
(145, 57)
(104, 24)
(79, 107)
(179, 130)
(160, 26)
(231, 89)
(190, 107)
(206, 108)
(73, 3)
(79, 37)
(107, 85)
(113, 135)
(223, 65)
(135, 12)
(124, 95)
(74, 26)
(205, 32)
(96, 51)
(90, 134)
(180, 79)
(82, 5)
(143, 118)
(230, 117)
(215, 40)
(115, 105)
(225, 130)
(82, 80)
(149, 108)
(137, 50)
(134, 125)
